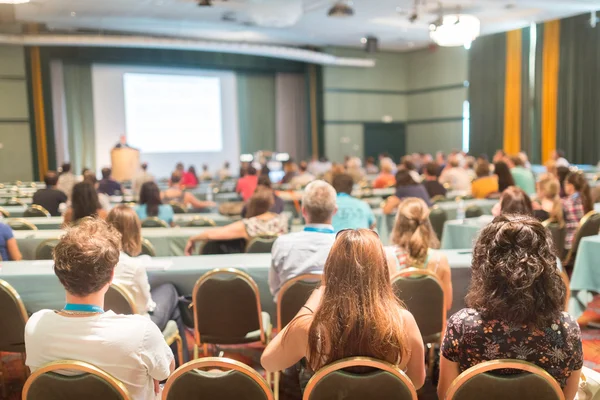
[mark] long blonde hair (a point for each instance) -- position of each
(125, 220)
(550, 189)
(413, 232)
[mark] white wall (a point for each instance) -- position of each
(109, 119)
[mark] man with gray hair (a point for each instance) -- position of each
(305, 252)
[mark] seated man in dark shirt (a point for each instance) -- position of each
(433, 187)
(107, 185)
(50, 198)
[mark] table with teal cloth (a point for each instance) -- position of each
(586, 274)
(461, 234)
(40, 289)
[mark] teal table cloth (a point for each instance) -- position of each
(461, 234)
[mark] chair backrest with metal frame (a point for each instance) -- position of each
(147, 248)
(14, 202)
(534, 383)
(154, 222)
(14, 317)
(36, 210)
(233, 380)
(201, 222)
(384, 381)
(21, 224)
(559, 234)
(226, 305)
(588, 226)
(438, 217)
(177, 207)
(4, 212)
(45, 250)
(119, 300)
(293, 295)
(260, 244)
(423, 294)
(473, 211)
(90, 383)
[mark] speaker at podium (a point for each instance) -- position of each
(125, 161)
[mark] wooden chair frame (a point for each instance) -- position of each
(150, 246)
(159, 221)
(22, 221)
(79, 366)
(41, 209)
(179, 205)
(217, 362)
(209, 222)
(502, 364)
(44, 243)
(358, 362)
(264, 338)
(583, 220)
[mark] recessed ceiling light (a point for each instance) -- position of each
(73, 14)
(14, 1)
(363, 40)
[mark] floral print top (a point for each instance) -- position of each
(470, 340)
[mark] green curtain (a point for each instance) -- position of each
(256, 111)
(80, 115)
(487, 71)
(578, 119)
(526, 98)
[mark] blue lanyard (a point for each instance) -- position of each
(319, 230)
(83, 308)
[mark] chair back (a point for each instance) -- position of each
(383, 381)
(293, 295)
(232, 381)
(36, 211)
(423, 294)
(147, 248)
(90, 383)
(45, 250)
(14, 317)
(438, 218)
(15, 202)
(439, 198)
(261, 244)
(21, 224)
(473, 211)
(588, 226)
(178, 208)
(227, 307)
(201, 222)
(559, 234)
(119, 300)
(533, 383)
(154, 222)
(4, 212)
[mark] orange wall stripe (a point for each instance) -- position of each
(512, 93)
(550, 68)
(38, 108)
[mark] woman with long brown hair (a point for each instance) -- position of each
(578, 203)
(413, 241)
(354, 313)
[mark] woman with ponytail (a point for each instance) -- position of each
(413, 239)
(576, 205)
(549, 206)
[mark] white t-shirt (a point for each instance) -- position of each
(129, 347)
(131, 273)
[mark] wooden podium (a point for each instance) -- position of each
(125, 163)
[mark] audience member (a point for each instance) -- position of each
(385, 178)
(142, 177)
(174, 194)
(335, 170)
(290, 171)
(559, 157)
(206, 175)
(189, 179)
(408, 164)
(50, 198)
(304, 177)
(9, 248)
(515, 305)
(370, 167)
(549, 205)
(103, 199)
(151, 204)
(66, 180)
(413, 239)
(224, 172)
(259, 221)
(523, 177)
(514, 200)
(108, 185)
(352, 213)
(264, 183)
(440, 160)
(129, 347)
(305, 252)
(551, 168)
(431, 184)
(355, 170)
(470, 164)
(247, 184)
(524, 160)
(485, 184)
(160, 304)
(405, 187)
(84, 203)
(562, 173)
(455, 176)
(577, 203)
(354, 313)
(500, 155)
(505, 178)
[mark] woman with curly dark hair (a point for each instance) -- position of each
(515, 305)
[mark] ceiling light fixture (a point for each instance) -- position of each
(455, 30)
(14, 1)
(340, 9)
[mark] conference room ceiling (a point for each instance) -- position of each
(292, 22)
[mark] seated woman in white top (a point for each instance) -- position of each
(259, 221)
(129, 347)
(354, 313)
(413, 239)
(160, 304)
